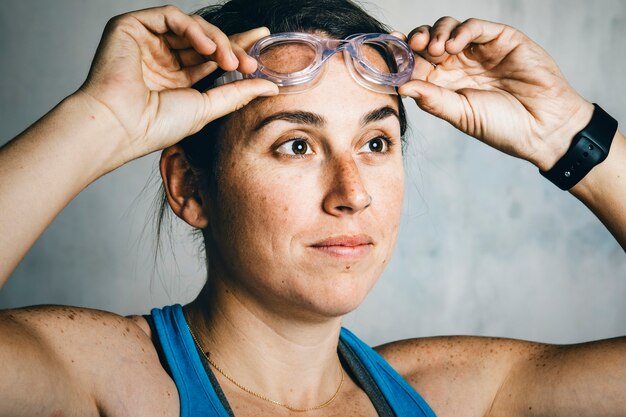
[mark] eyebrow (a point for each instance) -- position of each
(313, 119)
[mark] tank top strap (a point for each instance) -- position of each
(197, 395)
(400, 396)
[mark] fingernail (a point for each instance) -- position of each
(233, 56)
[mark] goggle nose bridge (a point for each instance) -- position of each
(337, 45)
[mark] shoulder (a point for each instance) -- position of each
(458, 375)
(66, 330)
(113, 355)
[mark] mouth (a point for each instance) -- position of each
(345, 247)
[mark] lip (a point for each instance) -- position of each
(344, 247)
(345, 240)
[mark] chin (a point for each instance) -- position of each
(333, 296)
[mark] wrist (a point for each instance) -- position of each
(555, 149)
(601, 178)
(101, 135)
(601, 190)
(588, 149)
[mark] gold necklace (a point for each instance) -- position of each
(249, 391)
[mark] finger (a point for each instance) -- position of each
(175, 42)
(398, 35)
(419, 38)
(439, 34)
(250, 37)
(197, 72)
(189, 57)
(161, 20)
(239, 42)
(243, 42)
(474, 31)
(435, 100)
(224, 54)
(202, 36)
(230, 97)
(422, 68)
(247, 64)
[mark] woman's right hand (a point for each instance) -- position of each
(145, 65)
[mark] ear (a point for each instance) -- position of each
(181, 187)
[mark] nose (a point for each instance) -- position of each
(346, 193)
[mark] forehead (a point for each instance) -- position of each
(336, 96)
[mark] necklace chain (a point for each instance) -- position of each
(262, 397)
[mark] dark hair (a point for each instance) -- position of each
(335, 18)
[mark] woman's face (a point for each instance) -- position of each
(309, 195)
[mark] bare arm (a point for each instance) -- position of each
(35, 381)
(45, 167)
(79, 362)
(495, 377)
(53, 362)
(603, 190)
(125, 109)
(494, 83)
(583, 380)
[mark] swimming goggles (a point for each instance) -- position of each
(295, 61)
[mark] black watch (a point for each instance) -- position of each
(589, 147)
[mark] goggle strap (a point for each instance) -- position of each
(228, 77)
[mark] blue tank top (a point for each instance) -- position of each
(200, 394)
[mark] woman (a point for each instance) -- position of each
(297, 197)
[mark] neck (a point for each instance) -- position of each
(289, 360)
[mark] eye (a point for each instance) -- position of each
(379, 144)
(295, 147)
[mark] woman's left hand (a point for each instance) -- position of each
(494, 83)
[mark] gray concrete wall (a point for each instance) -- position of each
(487, 247)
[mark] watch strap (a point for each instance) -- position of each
(589, 147)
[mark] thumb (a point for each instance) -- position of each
(232, 96)
(438, 101)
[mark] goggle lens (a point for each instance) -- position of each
(287, 57)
